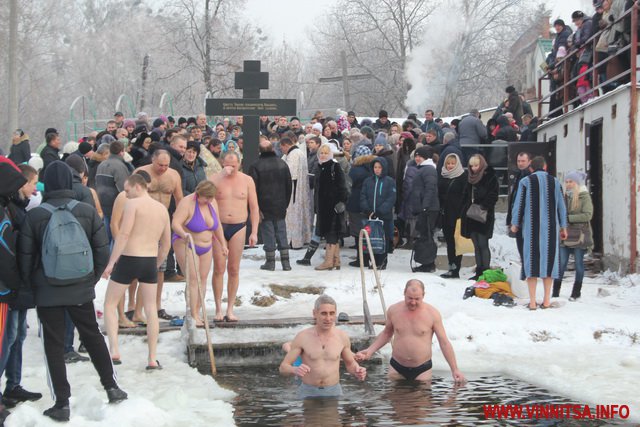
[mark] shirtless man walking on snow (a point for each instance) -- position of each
(321, 348)
(142, 244)
(411, 324)
(165, 182)
(236, 196)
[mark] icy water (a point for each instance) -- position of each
(267, 399)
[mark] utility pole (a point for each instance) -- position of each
(145, 69)
(13, 66)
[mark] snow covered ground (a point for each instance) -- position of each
(587, 350)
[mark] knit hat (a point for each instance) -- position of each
(12, 178)
(367, 132)
(36, 163)
(84, 147)
(576, 176)
(381, 139)
(317, 126)
(57, 176)
(128, 123)
(158, 122)
(361, 150)
(76, 163)
(406, 135)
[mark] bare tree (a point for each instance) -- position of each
(378, 37)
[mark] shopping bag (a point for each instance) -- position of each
(375, 228)
(463, 245)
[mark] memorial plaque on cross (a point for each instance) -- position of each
(251, 80)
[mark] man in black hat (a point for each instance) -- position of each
(118, 117)
(383, 123)
(75, 298)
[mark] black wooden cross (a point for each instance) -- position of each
(251, 80)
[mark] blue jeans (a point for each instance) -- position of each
(578, 255)
(15, 334)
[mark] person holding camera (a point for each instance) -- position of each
(330, 197)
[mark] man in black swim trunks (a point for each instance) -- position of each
(412, 323)
(141, 246)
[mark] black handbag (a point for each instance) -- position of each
(477, 212)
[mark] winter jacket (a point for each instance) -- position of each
(193, 175)
(30, 262)
(410, 173)
(450, 193)
(82, 192)
(137, 154)
(515, 107)
(20, 152)
(582, 214)
(529, 134)
(515, 178)
(426, 126)
(484, 193)
(330, 189)
(561, 40)
(378, 126)
(273, 185)
(378, 195)
(360, 171)
(49, 155)
(506, 132)
(471, 131)
(110, 177)
(424, 190)
(388, 155)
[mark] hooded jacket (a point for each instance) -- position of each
(378, 195)
(360, 171)
(21, 151)
(59, 182)
(424, 190)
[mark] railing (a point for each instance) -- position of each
(566, 65)
(368, 321)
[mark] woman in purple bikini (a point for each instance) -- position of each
(196, 214)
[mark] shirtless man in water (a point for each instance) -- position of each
(236, 193)
(142, 244)
(165, 182)
(321, 348)
(412, 324)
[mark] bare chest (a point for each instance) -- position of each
(417, 325)
(163, 184)
(231, 189)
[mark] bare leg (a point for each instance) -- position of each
(133, 287)
(236, 246)
(153, 327)
(180, 252)
(158, 292)
(532, 282)
(219, 267)
(204, 268)
(123, 322)
(115, 291)
(137, 313)
(547, 282)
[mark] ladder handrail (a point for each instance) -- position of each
(190, 249)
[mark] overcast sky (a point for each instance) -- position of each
(288, 19)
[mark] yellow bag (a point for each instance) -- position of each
(463, 245)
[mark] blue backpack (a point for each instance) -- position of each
(66, 252)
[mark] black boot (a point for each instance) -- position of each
(557, 283)
(575, 292)
(116, 395)
(381, 261)
(270, 263)
(284, 259)
(356, 262)
(313, 247)
(58, 412)
(453, 273)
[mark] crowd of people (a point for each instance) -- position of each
(147, 189)
(599, 38)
